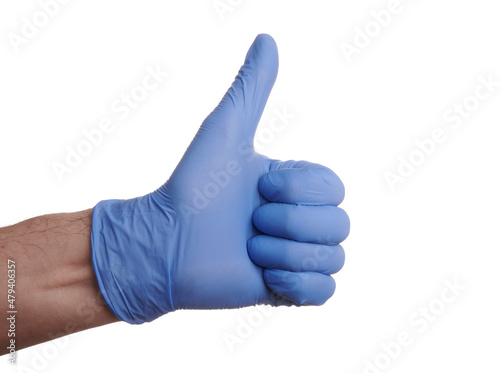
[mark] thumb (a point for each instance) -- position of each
(239, 112)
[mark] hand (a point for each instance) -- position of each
(230, 228)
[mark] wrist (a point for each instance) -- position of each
(56, 290)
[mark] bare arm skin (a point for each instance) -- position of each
(56, 289)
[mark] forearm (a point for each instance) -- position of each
(56, 291)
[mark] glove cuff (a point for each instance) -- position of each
(129, 259)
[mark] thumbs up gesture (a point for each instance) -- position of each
(230, 228)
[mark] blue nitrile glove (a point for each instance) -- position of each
(230, 228)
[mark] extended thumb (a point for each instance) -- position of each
(241, 108)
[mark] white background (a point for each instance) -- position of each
(355, 117)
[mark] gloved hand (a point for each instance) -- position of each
(230, 228)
